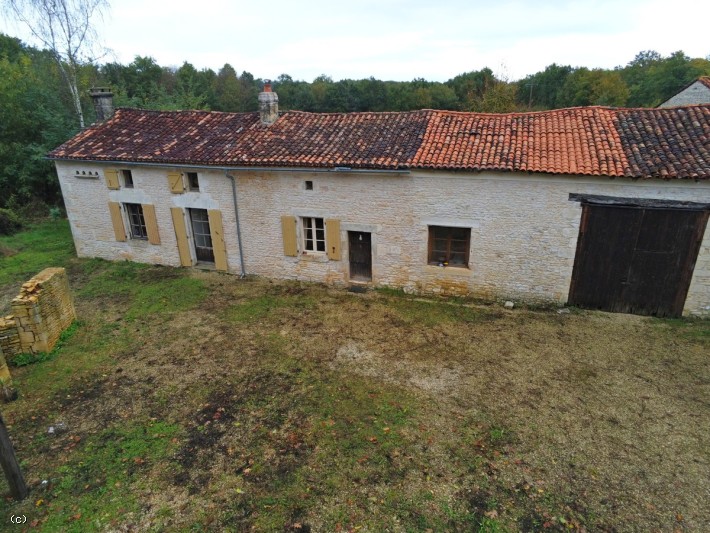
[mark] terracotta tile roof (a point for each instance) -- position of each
(637, 143)
(705, 80)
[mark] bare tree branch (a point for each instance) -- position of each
(65, 28)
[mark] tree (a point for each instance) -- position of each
(585, 87)
(65, 28)
(34, 118)
(544, 90)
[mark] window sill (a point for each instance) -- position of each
(462, 271)
(316, 257)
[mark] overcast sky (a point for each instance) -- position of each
(399, 39)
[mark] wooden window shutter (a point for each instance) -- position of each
(112, 179)
(175, 181)
(288, 229)
(219, 247)
(151, 223)
(332, 238)
(181, 235)
(117, 220)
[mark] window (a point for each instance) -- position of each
(309, 185)
(127, 179)
(193, 182)
(136, 221)
(202, 235)
(313, 234)
(449, 246)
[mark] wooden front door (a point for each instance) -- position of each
(201, 235)
(360, 246)
(636, 260)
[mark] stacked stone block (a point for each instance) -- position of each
(43, 309)
(9, 338)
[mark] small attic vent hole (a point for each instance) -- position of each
(309, 185)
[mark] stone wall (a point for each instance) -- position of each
(9, 338)
(524, 228)
(43, 309)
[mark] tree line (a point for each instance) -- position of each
(38, 111)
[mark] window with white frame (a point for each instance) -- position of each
(313, 234)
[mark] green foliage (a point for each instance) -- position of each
(34, 118)
(41, 246)
(100, 487)
(147, 289)
(9, 222)
(37, 111)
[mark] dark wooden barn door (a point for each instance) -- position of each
(360, 255)
(636, 260)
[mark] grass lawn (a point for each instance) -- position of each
(196, 401)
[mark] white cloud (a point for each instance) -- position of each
(402, 39)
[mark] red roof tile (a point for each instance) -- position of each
(638, 143)
(705, 80)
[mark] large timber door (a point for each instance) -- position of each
(360, 251)
(636, 260)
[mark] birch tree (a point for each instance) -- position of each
(65, 28)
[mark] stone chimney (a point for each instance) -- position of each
(103, 102)
(268, 105)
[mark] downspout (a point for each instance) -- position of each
(236, 215)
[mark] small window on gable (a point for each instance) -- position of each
(449, 246)
(193, 182)
(313, 234)
(127, 178)
(309, 185)
(136, 221)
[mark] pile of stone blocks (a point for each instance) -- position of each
(43, 309)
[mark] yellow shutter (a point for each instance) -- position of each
(117, 220)
(181, 235)
(332, 238)
(175, 181)
(218, 245)
(112, 179)
(151, 223)
(288, 229)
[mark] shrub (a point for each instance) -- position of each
(9, 222)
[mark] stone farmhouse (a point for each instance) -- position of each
(697, 92)
(597, 207)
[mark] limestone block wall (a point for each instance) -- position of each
(86, 197)
(524, 228)
(43, 309)
(9, 338)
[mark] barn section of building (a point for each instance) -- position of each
(697, 92)
(603, 208)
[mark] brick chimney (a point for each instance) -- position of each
(268, 105)
(103, 102)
